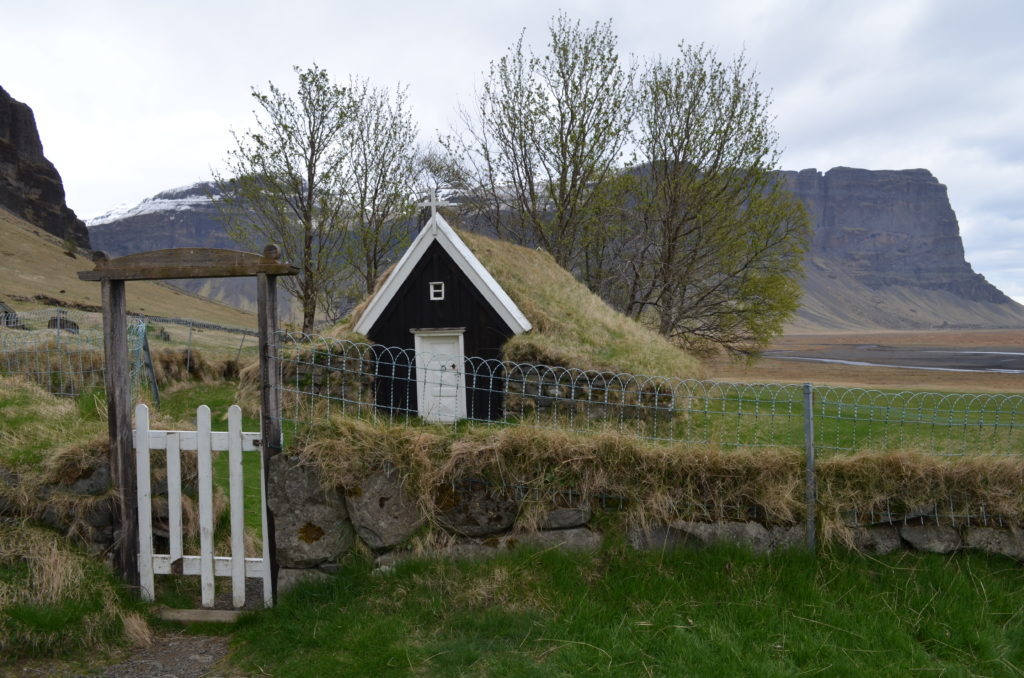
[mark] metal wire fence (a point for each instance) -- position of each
(61, 350)
(321, 375)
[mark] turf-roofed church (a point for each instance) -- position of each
(442, 302)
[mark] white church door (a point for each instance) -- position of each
(440, 374)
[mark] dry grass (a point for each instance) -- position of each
(910, 482)
(35, 264)
(173, 365)
(656, 484)
(56, 599)
(652, 483)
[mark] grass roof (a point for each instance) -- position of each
(572, 326)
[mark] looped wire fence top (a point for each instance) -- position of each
(320, 375)
(62, 349)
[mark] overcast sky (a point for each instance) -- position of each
(135, 97)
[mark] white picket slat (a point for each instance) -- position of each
(223, 566)
(145, 502)
(174, 495)
(187, 440)
(205, 462)
(237, 494)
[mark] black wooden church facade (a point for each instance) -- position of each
(446, 318)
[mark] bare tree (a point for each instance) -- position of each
(287, 181)
(382, 162)
(543, 136)
(329, 175)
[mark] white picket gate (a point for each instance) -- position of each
(204, 441)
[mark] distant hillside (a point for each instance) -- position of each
(886, 251)
(178, 217)
(30, 186)
(38, 272)
(887, 254)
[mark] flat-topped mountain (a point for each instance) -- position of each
(886, 251)
(30, 186)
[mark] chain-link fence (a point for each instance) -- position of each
(61, 350)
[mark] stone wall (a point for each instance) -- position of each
(316, 527)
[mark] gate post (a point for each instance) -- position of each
(119, 426)
(270, 401)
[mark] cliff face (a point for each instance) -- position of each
(889, 228)
(30, 186)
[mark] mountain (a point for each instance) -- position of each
(179, 217)
(30, 186)
(886, 253)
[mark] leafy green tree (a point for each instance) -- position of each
(713, 256)
(287, 182)
(544, 134)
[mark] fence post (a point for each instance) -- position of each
(188, 354)
(811, 486)
(148, 356)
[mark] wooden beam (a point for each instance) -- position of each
(270, 401)
(187, 262)
(119, 426)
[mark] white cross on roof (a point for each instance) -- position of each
(434, 202)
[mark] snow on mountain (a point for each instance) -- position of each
(178, 199)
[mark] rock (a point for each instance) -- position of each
(287, 578)
(382, 513)
(96, 483)
(570, 539)
(310, 524)
(931, 538)
(100, 514)
(565, 518)
(793, 537)
(877, 539)
(473, 508)
(30, 186)
(685, 533)
(1004, 542)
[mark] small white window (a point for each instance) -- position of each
(437, 291)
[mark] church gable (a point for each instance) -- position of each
(437, 294)
(459, 266)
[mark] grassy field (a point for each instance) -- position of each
(715, 612)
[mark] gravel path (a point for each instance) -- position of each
(171, 655)
(175, 656)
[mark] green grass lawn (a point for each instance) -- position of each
(716, 612)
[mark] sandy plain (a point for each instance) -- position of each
(929, 348)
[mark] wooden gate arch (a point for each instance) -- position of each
(187, 262)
